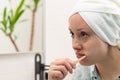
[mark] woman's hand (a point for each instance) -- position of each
(60, 68)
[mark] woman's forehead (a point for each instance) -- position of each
(77, 22)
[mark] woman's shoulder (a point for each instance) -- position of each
(83, 72)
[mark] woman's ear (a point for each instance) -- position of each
(118, 43)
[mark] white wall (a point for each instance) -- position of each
(58, 40)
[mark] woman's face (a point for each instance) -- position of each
(85, 42)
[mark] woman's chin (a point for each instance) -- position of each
(85, 63)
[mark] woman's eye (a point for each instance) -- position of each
(84, 34)
(72, 34)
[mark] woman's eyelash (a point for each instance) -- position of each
(83, 33)
(71, 33)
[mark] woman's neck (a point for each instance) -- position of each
(109, 68)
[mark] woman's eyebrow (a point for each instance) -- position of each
(80, 29)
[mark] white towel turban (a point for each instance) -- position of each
(102, 16)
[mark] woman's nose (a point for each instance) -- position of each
(77, 44)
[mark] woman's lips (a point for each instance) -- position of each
(79, 55)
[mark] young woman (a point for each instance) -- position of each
(95, 29)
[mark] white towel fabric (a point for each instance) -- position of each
(102, 16)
